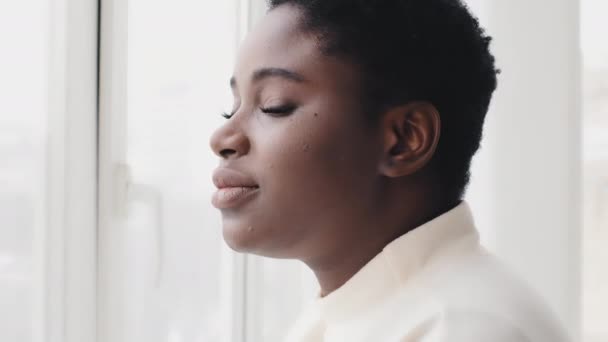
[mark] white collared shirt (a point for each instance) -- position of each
(433, 284)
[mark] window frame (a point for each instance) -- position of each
(68, 245)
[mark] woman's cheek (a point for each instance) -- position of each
(301, 154)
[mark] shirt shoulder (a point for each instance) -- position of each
(480, 296)
(478, 326)
(469, 326)
(462, 326)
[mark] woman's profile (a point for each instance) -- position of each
(348, 148)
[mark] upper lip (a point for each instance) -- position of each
(229, 178)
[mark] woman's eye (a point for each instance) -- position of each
(279, 110)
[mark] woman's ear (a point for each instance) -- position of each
(410, 136)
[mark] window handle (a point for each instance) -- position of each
(129, 192)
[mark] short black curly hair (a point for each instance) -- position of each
(415, 50)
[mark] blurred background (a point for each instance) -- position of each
(106, 231)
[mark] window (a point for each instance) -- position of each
(161, 246)
(47, 170)
(595, 170)
(23, 147)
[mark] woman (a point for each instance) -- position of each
(348, 148)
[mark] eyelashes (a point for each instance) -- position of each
(226, 115)
(280, 110)
(272, 111)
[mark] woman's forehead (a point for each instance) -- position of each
(277, 42)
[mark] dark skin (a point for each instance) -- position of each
(333, 188)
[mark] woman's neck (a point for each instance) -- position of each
(352, 253)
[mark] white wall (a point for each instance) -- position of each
(525, 190)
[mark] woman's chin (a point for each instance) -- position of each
(240, 238)
(247, 239)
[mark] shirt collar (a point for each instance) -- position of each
(398, 261)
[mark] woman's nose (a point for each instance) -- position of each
(229, 142)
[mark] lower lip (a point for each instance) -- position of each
(232, 197)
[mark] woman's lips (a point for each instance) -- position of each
(231, 197)
(234, 188)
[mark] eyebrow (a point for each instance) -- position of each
(264, 73)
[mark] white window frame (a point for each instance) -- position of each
(112, 156)
(69, 242)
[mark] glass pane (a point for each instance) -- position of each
(287, 287)
(23, 134)
(595, 170)
(180, 60)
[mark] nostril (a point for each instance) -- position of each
(227, 152)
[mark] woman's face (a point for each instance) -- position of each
(299, 160)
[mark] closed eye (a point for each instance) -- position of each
(275, 111)
(279, 110)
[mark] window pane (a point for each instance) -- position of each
(288, 286)
(595, 170)
(23, 134)
(180, 60)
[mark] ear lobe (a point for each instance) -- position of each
(411, 135)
